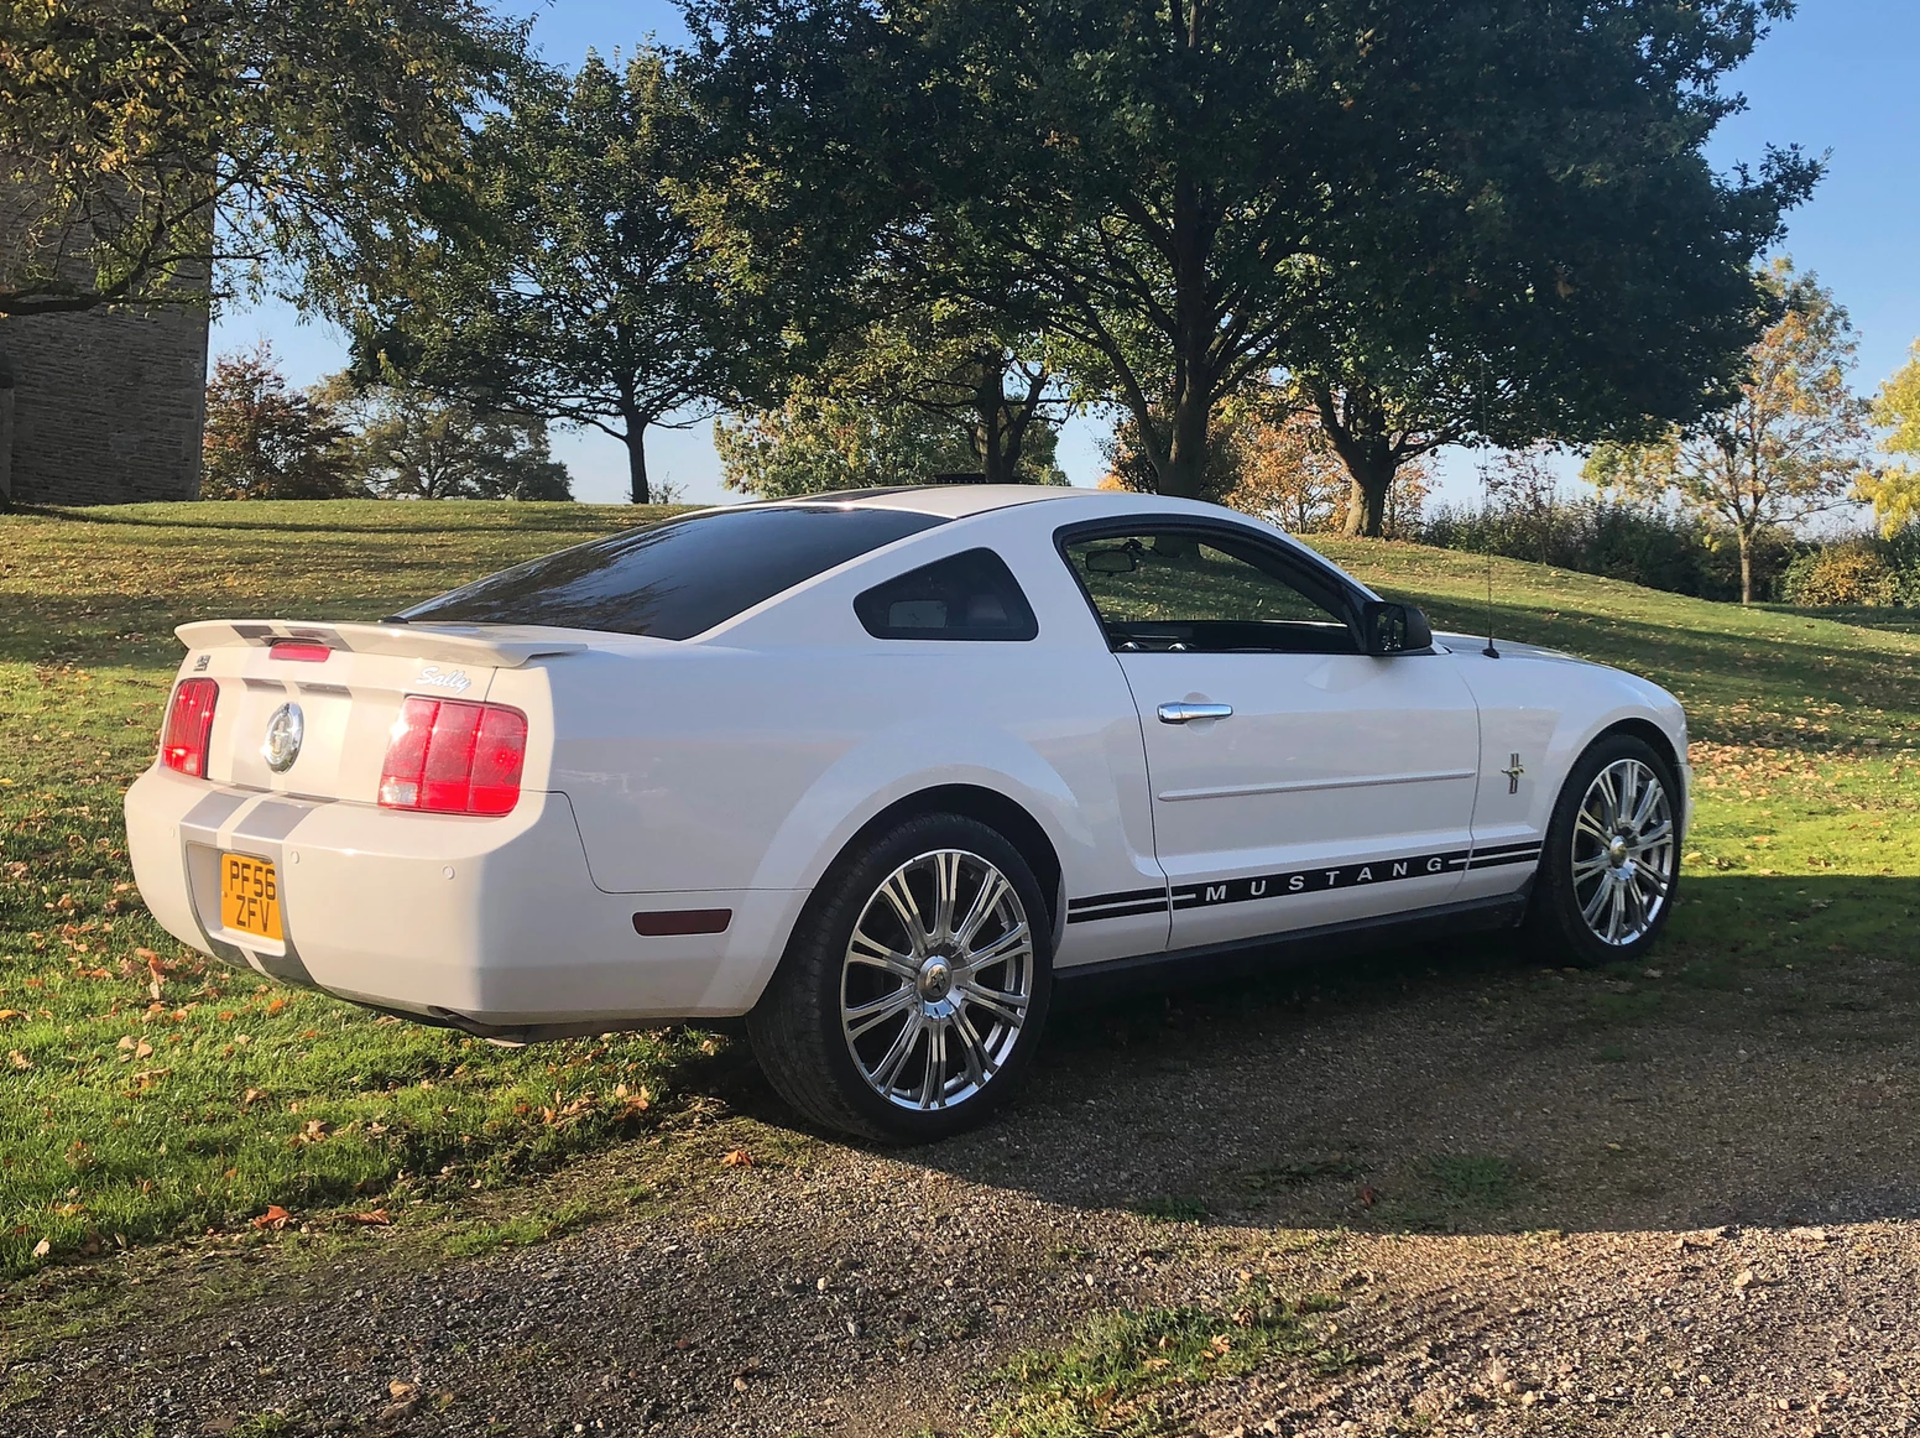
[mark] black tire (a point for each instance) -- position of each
(1564, 890)
(799, 1030)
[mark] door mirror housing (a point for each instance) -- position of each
(1395, 628)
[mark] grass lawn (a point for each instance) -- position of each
(150, 1093)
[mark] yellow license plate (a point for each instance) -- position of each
(250, 896)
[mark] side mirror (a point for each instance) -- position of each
(1395, 628)
(1111, 561)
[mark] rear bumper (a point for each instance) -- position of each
(492, 925)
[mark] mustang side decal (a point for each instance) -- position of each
(1303, 881)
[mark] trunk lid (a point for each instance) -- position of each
(349, 688)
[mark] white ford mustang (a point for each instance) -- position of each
(879, 770)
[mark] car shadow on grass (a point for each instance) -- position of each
(1763, 1066)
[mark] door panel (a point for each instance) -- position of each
(1341, 787)
(1296, 781)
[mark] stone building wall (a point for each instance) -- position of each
(108, 406)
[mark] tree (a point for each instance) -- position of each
(148, 148)
(813, 442)
(589, 302)
(1791, 444)
(412, 444)
(1199, 194)
(1894, 492)
(1272, 460)
(1288, 471)
(954, 365)
(264, 441)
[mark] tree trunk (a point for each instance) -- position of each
(989, 402)
(1370, 483)
(1746, 566)
(1196, 322)
(1185, 473)
(636, 438)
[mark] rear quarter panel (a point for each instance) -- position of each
(748, 759)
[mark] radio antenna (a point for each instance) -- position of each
(1486, 489)
(1490, 651)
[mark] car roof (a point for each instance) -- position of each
(949, 501)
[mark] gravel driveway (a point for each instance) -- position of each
(1548, 1203)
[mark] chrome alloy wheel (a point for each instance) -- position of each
(1623, 852)
(938, 980)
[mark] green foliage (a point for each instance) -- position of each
(302, 142)
(412, 444)
(585, 299)
(1621, 539)
(264, 441)
(814, 443)
(1788, 447)
(959, 369)
(1115, 178)
(1113, 1378)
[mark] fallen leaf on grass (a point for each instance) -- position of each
(42, 1248)
(19, 1060)
(375, 1217)
(738, 1158)
(275, 1218)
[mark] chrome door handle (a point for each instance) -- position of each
(1187, 713)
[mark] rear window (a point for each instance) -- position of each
(677, 579)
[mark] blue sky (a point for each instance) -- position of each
(1838, 78)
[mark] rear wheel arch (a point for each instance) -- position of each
(1006, 816)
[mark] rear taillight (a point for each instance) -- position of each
(450, 756)
(188, 732)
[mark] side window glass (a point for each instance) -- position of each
(965, 596)
(1175, 591)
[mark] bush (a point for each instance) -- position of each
(1851, 573)
(1637, 543)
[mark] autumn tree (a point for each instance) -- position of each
(589, 301)
(1894, 491)
(146, 148)
(1503, 204)
(1272, 460)
(1790, 446)
(265, 441)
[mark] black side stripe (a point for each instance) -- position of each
(1129, 896)
(1524, 856)
(1302, 881)
(1121, 911)
(1122, 905)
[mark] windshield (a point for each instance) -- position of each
(677, 579)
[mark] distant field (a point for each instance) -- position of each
(149, 1094)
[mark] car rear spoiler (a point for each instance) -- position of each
(500, 647)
